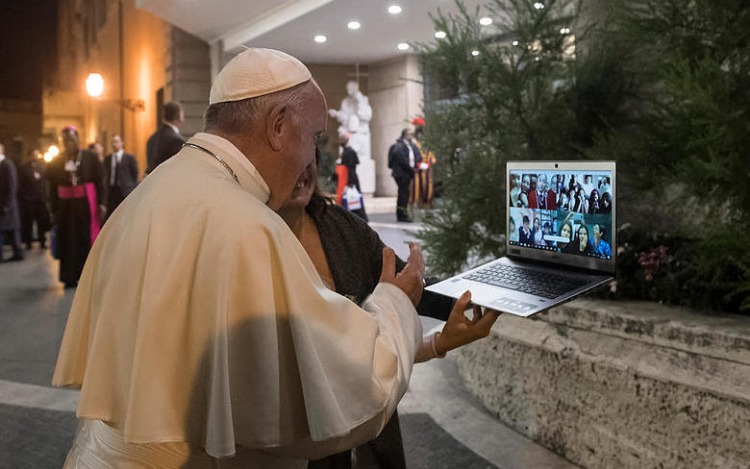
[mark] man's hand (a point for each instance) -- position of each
(459, 330)
(410, 279)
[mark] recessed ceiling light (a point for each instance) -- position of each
(320, 39)
(403, 46)
(475, 53)
(440, 34)
(486, 21)
(394, 9)
(353, 25)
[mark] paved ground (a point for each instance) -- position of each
(443, 426)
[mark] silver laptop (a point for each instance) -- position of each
(560, 239)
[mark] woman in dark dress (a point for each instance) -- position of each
(77, 203)
(347, 254)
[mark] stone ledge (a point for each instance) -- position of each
(627, 385)
(717, 335)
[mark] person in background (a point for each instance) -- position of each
(201, 334)
(547, 231)
(32, 198)
(401, 160)
(347, 255)
(566, 231)
(536, 233)
(96, 147)
(512, 231)
(166, 141)
(76, 196)
(588, 184)
(604, 184)
(581, 244)
(606, 204)
(515, 189)
(525, 234)
(580, 203)
(341, 176)
(563, 202)
(601, 247)
(543, 197)
(350, 160)
(421, 192)
(593, 203)
(523, 196)
(10, 222)
(120, 174)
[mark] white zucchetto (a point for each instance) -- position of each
(257, 72)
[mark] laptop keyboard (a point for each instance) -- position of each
(533, 282)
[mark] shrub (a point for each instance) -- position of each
(660, 86)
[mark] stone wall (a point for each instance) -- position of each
(621, 384)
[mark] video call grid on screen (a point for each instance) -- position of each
(566, 211)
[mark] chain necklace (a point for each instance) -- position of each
(216, 157)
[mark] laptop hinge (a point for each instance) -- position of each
(557, 265)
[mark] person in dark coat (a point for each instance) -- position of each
(32, 199)
(166, 141)
(120, 174)
(401, 160)
(350, 160)
(76, 195)
(10, 223)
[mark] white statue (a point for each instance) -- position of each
(354, 118)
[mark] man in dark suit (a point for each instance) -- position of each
(32, 199)
(401, 159)
(166, 141)
(10, 223)
(120, 174)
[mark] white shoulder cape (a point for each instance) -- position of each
(200, 318)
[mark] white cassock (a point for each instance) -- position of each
(201, 329)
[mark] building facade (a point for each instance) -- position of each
(145, 61)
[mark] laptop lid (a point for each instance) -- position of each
(563, 213)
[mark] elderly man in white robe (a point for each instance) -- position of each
(201, 334)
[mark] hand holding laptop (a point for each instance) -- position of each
(460, 330)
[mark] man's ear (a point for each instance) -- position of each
(276, 125)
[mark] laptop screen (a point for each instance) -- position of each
(562, 212)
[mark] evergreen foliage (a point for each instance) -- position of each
(660, 86)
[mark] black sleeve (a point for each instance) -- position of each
(175, 144)
(151, 145)
(134, 168)
(97, 176)
(53, 180)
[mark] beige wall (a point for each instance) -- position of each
(396, 95)
(144, 49)
(187, 63)
(19, 118)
